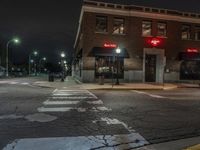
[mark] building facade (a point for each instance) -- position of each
(157, 45)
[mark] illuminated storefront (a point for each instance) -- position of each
(155, 44)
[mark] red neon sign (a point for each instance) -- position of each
(192, 50)
(110, 45)
(155, 42)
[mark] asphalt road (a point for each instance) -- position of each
(94, 117)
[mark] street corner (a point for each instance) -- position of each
(43, 84)
(194, 147)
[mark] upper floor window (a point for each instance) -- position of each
(118, 26)
(146, 28)
(197, 33)
(162, 29)
(101, 24)
(186, 29)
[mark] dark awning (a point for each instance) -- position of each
(100, 51)
(189, 56)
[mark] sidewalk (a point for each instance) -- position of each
(71, 82)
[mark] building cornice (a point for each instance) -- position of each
(140, 14)
(136, 11)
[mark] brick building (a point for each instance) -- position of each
(156, 44)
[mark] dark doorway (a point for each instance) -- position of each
(150, 68)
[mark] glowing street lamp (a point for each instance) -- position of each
(16, 41)
(62, 55)
(40, 63)
(62, 64)
(118, 51)
(35, 53)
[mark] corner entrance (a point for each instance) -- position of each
(150, 68)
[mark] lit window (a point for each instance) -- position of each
(197, 33)
(146, 28)
(101, 24)
(162, 29)
(118, 26)
(185, 32)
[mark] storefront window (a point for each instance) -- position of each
(162, 29)
(118, 26)
(185, 32)
(101, 24)
(146, 28)
(107, 66)
(197, 33)
(190, 70)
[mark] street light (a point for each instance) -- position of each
(62, 55)
(62, 65)
(35, 53)
(15, 40)
(118, 51)
(40, 63)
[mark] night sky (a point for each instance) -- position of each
(51, 25)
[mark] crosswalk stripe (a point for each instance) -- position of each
(13, 83)
(106, 142)
(71, 98)
(25, 83)
(75, 97)
(66, 109)
(55, 109)
(60, 102)
(99, 102)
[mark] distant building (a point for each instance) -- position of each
(156, 44)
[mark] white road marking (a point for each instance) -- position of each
(40, 117)
(156, 96)
(11, 116)
(13, 82)
(70, 94)
(124, 141)
(92, 95)
(70, 97)
(55, 90)
(99, 102)
(97, 109)
(81, 109)
(25, 83)
(67, 109)
(148, 94)
(55, 109)
(74, 97)
(2, 82)
(114, 122)
(60, 102)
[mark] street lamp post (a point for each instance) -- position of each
(40, 63)
(62, 64)
(118, 51)
(29, 61)
(7, 48)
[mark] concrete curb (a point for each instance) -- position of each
(43, 86)
(123, 89)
